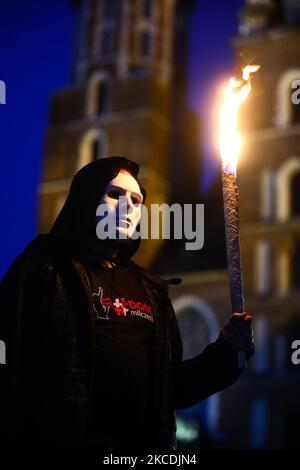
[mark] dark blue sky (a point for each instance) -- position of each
(213, 26)
(36, 47)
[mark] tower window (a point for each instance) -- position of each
(147, 8)
(107, 45)
(263, 263)
(96, 149)
(296, 266)
(99, 94)
(268, 190)
(109, 9)
(93, 145)
(102, 97)
(261, 363)
(295, 194)
(145, 43)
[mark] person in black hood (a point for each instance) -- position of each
(75, 225)
(94, 352)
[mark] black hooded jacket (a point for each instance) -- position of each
(47, 324)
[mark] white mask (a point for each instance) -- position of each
(121, 206)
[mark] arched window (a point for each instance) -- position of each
(295, 194)
(198, 327)
(145, 43)
(288, 111)
(288, 190)
(102, 101)
(267, 199)
(283, 272)
(263, 267)
(93, 145)
(295, 266)
(261, 359)
(197, 324)
(99, 94)
(95, 150)
(288, 267)
(107, 42)
(145, 29)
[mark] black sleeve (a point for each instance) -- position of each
(195, 379)
(11, 299)
(22, 303)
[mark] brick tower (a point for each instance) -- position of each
(118, 102)
(269, 182)
(262, 409)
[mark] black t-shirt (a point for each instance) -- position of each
(124, 326)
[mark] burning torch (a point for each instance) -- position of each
(236, 93)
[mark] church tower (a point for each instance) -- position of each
(265, 400)
(269, 169)
(119, 102)
(269, 184)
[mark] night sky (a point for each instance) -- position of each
(36, 51)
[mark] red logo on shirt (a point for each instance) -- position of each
(105, 307)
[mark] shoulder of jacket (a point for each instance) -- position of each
(33, 259)
(159, 286)
(37, 253)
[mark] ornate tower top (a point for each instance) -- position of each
(125, 37)
(259, 16)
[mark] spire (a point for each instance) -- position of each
(257, 16)
(125, 38)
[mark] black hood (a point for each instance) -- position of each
(75, 226)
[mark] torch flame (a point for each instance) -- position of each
(236, 93)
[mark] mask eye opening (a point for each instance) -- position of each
(114, 193)
(136, 200)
